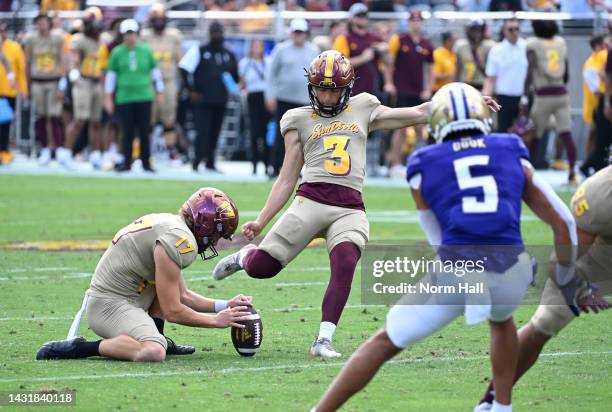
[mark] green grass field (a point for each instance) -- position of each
(41, 291)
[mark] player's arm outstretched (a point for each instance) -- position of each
(387, 118)
(283, 187)
(203, 304)
(168, 288)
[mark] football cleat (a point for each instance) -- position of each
(323, 347)
(483, 407)
(174, 349)
(227, 266)
(59, 349)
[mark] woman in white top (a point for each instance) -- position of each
(252, 70)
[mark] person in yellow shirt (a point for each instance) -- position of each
(445, 61)
(593, 87)
(13, 83)
(59, 5)
(256, 24)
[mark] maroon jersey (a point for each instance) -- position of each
(409, 60)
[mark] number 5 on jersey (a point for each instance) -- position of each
(465, 180)
(340, 162)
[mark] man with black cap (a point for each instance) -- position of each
(203, 69)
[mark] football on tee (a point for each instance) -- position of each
(247, 340)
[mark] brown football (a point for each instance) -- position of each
(247, 340)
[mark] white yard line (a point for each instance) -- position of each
(246, 370)
(315, 308)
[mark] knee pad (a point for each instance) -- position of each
(551, 319)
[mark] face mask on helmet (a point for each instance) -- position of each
(329, 110)
(158, 23)
(458, 108)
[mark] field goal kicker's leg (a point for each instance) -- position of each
(74, 328)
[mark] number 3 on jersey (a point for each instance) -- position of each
(340, 162)
(465, 180)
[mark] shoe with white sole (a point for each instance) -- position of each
(64, 157)
(45, 156)
(483, 407)
(323, 347)
(227, 266)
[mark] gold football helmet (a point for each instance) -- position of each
(458, 107)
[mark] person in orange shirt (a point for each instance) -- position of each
(12, 84)
(59, 5)
(256, 24)
(445, 61)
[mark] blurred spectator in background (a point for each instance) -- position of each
(13, 83)
(336, 28)
(131, 79)
(316, 5)
(293, 5)
(6, 5)
(472, 5)
(472, 54)
(581, 8)
(59, 5)
(252, 70)
(599, 156)
(506, 72)
(364, 49)
(166, 43)
(445, 61)
(593, 89)
(203, 69)
(256, 24)
(505, 5)
(88, 60)
(44, 51)
(411, 72)
(285, 81)
(547, 76)
(541, 5)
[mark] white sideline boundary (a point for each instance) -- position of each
(244, 370)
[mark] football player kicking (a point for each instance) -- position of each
(593, 214)
(468, 190)
(327, 139)
(138, 284)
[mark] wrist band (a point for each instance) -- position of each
(220, 305)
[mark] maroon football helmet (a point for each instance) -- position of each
(211, 215)
(330, 70)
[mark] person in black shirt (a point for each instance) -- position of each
(202, 69)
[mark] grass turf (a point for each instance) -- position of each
(40, 292)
